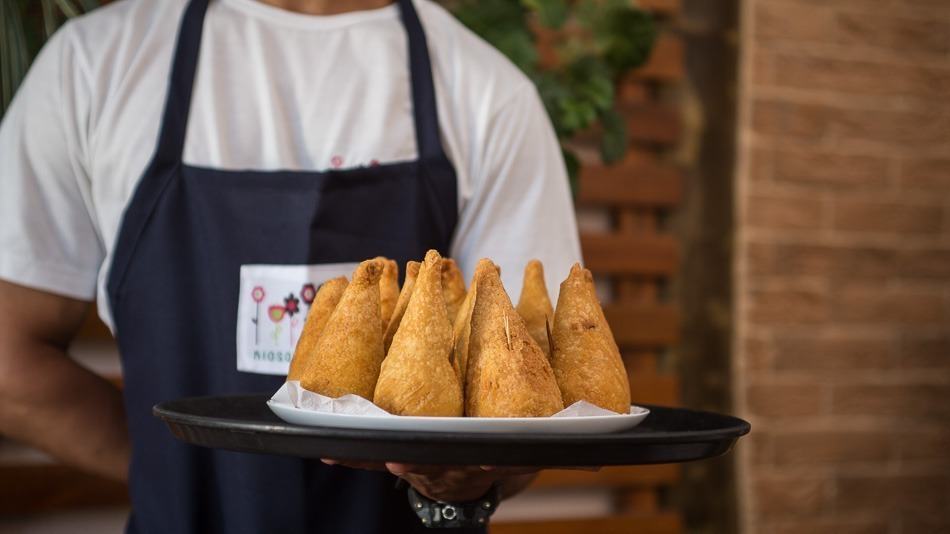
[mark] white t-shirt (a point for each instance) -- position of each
(274, 90)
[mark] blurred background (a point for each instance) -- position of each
(764, 197)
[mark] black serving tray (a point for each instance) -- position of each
(246, 424)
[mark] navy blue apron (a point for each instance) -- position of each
(174, 286)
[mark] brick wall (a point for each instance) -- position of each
(843, 266)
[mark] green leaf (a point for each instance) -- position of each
(573, 169)
(551, 13)
(518, 46)
(68, 8)
(49, 17)
(14, 52)
(613, 144)
(22, 35)
(503, 23)
(628, 36)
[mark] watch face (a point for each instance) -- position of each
(440, 514)
(449, 512)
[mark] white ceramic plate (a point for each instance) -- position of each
(484, 425)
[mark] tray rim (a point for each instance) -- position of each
(165, 412)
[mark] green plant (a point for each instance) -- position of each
(595, 42)
(24, 26)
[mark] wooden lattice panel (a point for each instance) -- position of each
(636, 259)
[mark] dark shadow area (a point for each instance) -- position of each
(707, 494)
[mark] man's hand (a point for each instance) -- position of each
(46, 398)
(463, 483)
(455, 483)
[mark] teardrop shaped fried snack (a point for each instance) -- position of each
(586, 359)
(322, 307)
(388, 289)
(348, 354)
(534, 305)
(462, 328)
(416, 377)
(507, 375)
(453, 287)
(412, 271)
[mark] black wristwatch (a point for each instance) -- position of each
(438, 514)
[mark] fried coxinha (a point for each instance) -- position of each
(507, 374)
(492, 360)
(322, 307)
(417, 377)
(349, 351)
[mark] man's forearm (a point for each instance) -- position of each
(49, 401)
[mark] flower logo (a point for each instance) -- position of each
(258, 294)
(276, 313)
(308, 292)
(291, 304)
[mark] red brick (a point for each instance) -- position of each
(926, 173)
(832, 447)
(907, 128)
(792, 496)
(786, 400)
(798, 259)
(919, 263)
(874, 305)
(762, 73)
(925, 496)
(828, 169)
(806, 121)
(925, 350)
(760, 164)
(788, 306)
(826, 526)
(851, 76)
(925, 445)
(920, 36)
(759, 445)
(757, 353)
(790, 22)
(923, 401)
(819, 353)
(882, 216)
(784, 212)
(913, 523)
(906, 36)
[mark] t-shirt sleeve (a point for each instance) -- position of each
(48, 239)
(521, 206)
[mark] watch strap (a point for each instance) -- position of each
(438, 514)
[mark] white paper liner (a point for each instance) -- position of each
(292, 394)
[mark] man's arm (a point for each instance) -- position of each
(48, 400)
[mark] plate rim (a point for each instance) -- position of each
(469, 420)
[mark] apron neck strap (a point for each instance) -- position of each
(171, 141)
(171, 137)
(424, 108)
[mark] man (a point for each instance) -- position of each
(158, 152)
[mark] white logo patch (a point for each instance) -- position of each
(272, 309)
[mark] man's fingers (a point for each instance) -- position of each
(398, 468)
(506, 470)
(516, 470)
(353, 464)
(591, 468)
